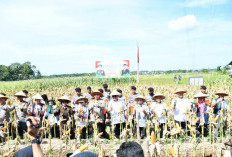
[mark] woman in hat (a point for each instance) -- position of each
(220, 105)
(53, 119)
(141, 111)
(96, 108)
(21, 112)
(202, 108)
(65, 110)
(37, 108)
(181, 105)
(117, 109)
(160, 110)
(82, 113)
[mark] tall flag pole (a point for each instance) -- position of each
(138, 62)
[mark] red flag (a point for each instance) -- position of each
(138, 53)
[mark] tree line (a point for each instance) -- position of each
(17, 71)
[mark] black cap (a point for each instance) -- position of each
(88, 87)
(25, 91)
(101, 90)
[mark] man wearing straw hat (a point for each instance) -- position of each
(181, 106)
(82, 113)
(37, 108)
(117, 109)
(141, 111)
(96, 108)
(202, 108)
(5, 109)
(21, 112)
(159, 109)
(220, 105)
(65, 110)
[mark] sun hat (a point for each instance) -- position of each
(64, 98)
(201, 95)
(140, 97)
(21, 94)
(159, 95)
(96, 92)
(37, 97)
(2, 96)
(115, 93)
(222, 93)
(180, 91)
(81, 99)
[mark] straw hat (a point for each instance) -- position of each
(180, 91)
(97, 92)
(159, 95)
(21, 94)
(64, 98)
(201, 95)
(222, 93)
(115, 93)
(81, 99)
(37, 97)
(2, 96)
(140, 97)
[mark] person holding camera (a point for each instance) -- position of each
(34, 150)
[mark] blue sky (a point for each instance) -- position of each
(68, 36)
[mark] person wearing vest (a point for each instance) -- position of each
(220, 105)
(202, 108)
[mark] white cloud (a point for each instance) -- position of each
(183, 23)
(196, 3)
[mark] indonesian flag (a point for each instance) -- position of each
(138, 53)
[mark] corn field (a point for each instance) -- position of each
(175, 142)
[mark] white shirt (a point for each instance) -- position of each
(82, 120)
(141, 115)
(182, 106)
(158, 109)
(115, 107)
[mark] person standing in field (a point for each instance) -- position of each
(202, 108)
(96, 109)
(82, 113)
(159, 110)
(64, 110)
(175, 79)
(76, 96)
(27, 99)
(88, 94)
(141, 111)
(5, 110)
(37, 108)
(181, 105)
(220, 106)
(179, 77)
(21, 107)
(53, 119)
(106, 91)
(149, 97)
(132, 96)
(117, 109)
(203, 90)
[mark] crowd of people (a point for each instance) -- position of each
(103, 107)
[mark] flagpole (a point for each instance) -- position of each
(137, 62)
